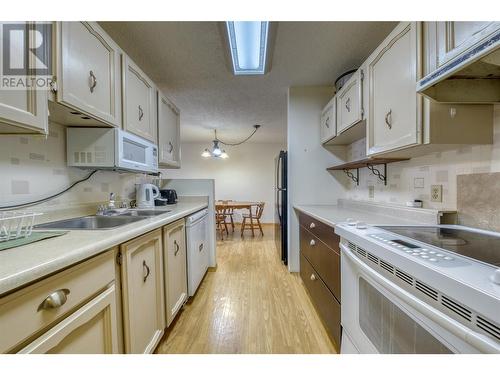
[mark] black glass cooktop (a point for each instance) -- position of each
(479, 246)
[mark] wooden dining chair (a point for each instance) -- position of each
(220, 221)
(251, 221)
(230, 215)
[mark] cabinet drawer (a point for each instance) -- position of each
(324, 260)
(326, 304)
(22, 313)
(349, 103)
(324, 232)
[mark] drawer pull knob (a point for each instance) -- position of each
(177, 248)
(388, 119)
(146, 268)
(348, 105)
(200, 248)
(92, 81)
(170, 147)
(312, 242)
(313, 277)
(312, 225)
(141, 113)
(54, 300)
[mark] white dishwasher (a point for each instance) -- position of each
(197, 249)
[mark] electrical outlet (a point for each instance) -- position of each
(436, 193)
(371, 191)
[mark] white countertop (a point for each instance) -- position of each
(22, 265)
(333, 214)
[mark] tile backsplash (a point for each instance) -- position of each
(34, 167)
(412, 179)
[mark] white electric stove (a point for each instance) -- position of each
(419, 289)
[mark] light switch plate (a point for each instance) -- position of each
(436, 193)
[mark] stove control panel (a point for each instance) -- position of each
(430, 255)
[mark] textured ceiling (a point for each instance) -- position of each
(188, 61)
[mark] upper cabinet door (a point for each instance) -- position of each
(350, 102)
(168, 133)
(22, 111)
(88, 72)
(328, 121)
(139, 101)
(394, 107)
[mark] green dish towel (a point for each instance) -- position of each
(35, 236)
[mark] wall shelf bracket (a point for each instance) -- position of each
(381, 175)
(351, 175)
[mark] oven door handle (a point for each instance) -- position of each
(480, 342)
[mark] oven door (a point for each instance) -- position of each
(380, 317)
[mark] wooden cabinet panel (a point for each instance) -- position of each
(92, 329)
(327, 306)
(143, 301)
(169, 128)
(349, 102)
(324, 260)
(394, 107)
(139, 101)
(22, 111)
(22, 313)
(175, 268)
(88, 74)
(328, 121)
(324, 232)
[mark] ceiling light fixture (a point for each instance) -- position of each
(217, 152)
(248, 41)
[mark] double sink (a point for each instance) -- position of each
(95, 222)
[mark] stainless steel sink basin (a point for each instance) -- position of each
(144, 213)
(91, 222)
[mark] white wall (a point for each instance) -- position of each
(247, 175)
(308, 180)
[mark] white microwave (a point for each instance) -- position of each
(110, 148)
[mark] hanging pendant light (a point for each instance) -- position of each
(217, 152)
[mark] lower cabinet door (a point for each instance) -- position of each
(175, 268)
(326, 305)
(142, 292)
(92, 329)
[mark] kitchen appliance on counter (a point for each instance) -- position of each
(115, 149)
(145, 195)
(167, 196)
(419, 289)
(198, 251)
(281, 212)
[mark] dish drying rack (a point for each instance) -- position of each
(16, 224)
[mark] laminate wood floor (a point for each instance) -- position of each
(250, 304)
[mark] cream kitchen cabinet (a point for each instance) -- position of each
(73, 311)
(393, 107)
(168, 133)
(328, 121)
(174, 237)
(142, 292)
(22, 111)
(88, 79)
(139, 101)
(92, 329)
(350, 102)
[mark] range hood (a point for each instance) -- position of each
(470, 77)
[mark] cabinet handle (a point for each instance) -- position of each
(177, 248)
(54, 300)
(388, 119)
(171, 147)
(200, 248)
(312, 225)
(348, 104)
(313, 277)
(141, 113)
(92, 81)
(148, 271)
(312, 243)
(327, 122)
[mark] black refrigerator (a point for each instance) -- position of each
(281, 211)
